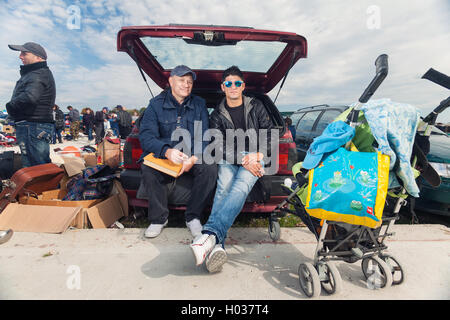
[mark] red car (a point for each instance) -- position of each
(265, 57)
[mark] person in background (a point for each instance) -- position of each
(88, 123)
(134, 117)
(99, 124)
(58, 116)
(289, 125)
(125, 122)
(74, 118)
(114, 122)
(31, 105)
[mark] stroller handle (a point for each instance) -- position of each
(381, 65)
(432, 116)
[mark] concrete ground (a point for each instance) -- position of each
(121, 264)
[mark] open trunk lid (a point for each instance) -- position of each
(263, 56)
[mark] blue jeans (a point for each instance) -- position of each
(34, 139)
(56, 135)
(234, 183)
(89, 133)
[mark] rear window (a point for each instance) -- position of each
(327, 117)
(295, 117)
(307, 122)
(253, 56)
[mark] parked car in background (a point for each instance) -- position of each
(264, 56)
(437, 200)
(309, 123)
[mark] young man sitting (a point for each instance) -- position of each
(235, 180)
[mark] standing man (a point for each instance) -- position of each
(99, 124)
(58, 116)
(236, 180)
(88, 123)
(175, 108)
(125, 122)
(74, 118)
(31, 105)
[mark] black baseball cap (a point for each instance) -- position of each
(182, 70)
(32, 47)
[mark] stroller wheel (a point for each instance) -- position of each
(274, 230)
(398, 275)
(377, 273)
(309, 279)
(333, 281)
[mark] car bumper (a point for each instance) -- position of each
(435, 200)
(131, 180)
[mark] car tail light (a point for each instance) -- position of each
(287, 155)
(132, 150)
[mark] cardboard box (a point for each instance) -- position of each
(109, 152)
(30, 218)
(94, 214)
(90, 159)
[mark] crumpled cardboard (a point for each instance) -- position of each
(31, 218)
(73, 165)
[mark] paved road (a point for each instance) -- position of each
(121, 264)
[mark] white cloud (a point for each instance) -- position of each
(341, 49)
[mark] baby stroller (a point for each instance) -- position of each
(351, 242)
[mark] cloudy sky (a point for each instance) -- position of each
(344, 39)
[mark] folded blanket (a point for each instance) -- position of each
(394, 126)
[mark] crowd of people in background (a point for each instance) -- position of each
(95, 125)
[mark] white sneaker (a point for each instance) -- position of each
(154, 230)
(216, 259)
(201, 246)
(195, 227)
(5, 235)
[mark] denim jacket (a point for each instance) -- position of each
(161, 119)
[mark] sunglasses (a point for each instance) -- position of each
(228, 84)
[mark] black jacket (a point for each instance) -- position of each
(59, 119)
(88, 120)
(125, 119)
(256, 117)
(34, 94)
(99, 118)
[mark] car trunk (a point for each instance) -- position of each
(264, 57)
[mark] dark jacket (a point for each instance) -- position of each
(160, 120)
(124, 119)
(256, 117)
(74, 115)
(34, 95)
(99, 118)
(88, 120)
(59, 119)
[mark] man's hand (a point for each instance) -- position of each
(255, 169)
(187, 165)
(176, 156)
(252, 157)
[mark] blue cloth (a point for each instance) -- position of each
(160, 121)
(334, 136)
(234, 183)
(114, 126)
(293, 131)
(394, 126)
(33, 139)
